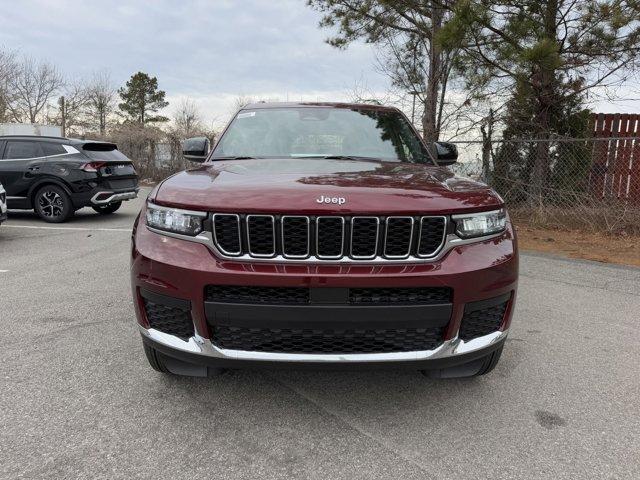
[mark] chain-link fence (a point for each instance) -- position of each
(589, 183)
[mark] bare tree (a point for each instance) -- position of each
(32, 87)
(7, 72)
(187, 119)
(73, 106)
(102, 100)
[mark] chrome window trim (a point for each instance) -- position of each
(386, 236)
(328, 257)
(215, 239)
(282, 220)
(375, 251)
(273, 230)
(442, 241)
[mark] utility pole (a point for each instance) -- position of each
(63, 115)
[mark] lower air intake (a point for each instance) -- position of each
(169, 319)
(326, 341)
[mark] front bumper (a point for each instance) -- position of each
(182, 270)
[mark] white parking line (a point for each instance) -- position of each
(79, 229)
(4, 271)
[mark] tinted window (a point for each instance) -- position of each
(17, 150)
(52, 149)
(321, 131)
(105, 155)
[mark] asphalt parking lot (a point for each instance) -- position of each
(78, 399)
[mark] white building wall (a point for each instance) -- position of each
(30, 129)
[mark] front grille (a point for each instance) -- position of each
(430, 295)
(326, 341)
(169, 319)
(302, 295)
(484, 321)
(259, 295)
(328, 237)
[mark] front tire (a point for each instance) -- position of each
(154, 359)
(107, 209)
(476, 368)
(53, 204)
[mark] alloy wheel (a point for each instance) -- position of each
(51, 204)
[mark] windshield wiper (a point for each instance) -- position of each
(338, 157)
(239, 157)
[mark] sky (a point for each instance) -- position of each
(210, 51)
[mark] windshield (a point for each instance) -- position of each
(321, 132)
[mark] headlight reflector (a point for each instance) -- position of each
(174, 220)
(480, 224)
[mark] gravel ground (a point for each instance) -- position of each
(78, 400)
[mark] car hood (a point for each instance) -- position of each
(295, 185)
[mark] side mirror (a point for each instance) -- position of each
(446, 153)
(196, 149)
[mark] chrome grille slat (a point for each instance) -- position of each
(398, 231)
(226, 233)
(327, 240)
(363, 227)
(295, 232)
(261, 235)
(429, 241)
(358, 238)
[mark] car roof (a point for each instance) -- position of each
(42, 138)
(360, 106)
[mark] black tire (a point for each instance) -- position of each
(490, 362)
(52, 204)
(476, 368)
(154, 359)
(107, 209)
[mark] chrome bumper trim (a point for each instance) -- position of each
(203, 346)
(115, 197)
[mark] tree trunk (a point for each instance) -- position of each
(487, 134)
(544, 84)
(430, 114)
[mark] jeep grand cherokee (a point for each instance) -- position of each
(326, 235)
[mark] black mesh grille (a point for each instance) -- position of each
(431, 235)
(295, 236)
(261, 235)
(301, 295)
(482, 322)
(326, 341)
(364, 236)
(227, 232)
(330, 236)
(427, 295)
(398, 239)
(172, 320)
(260, 295)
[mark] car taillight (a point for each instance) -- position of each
(92, 166)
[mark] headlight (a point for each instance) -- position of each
(174, 220)
(480, 224)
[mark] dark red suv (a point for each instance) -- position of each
(326, 235)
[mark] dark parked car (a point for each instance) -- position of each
(57, 176)
(323, 234)
(3, 204)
